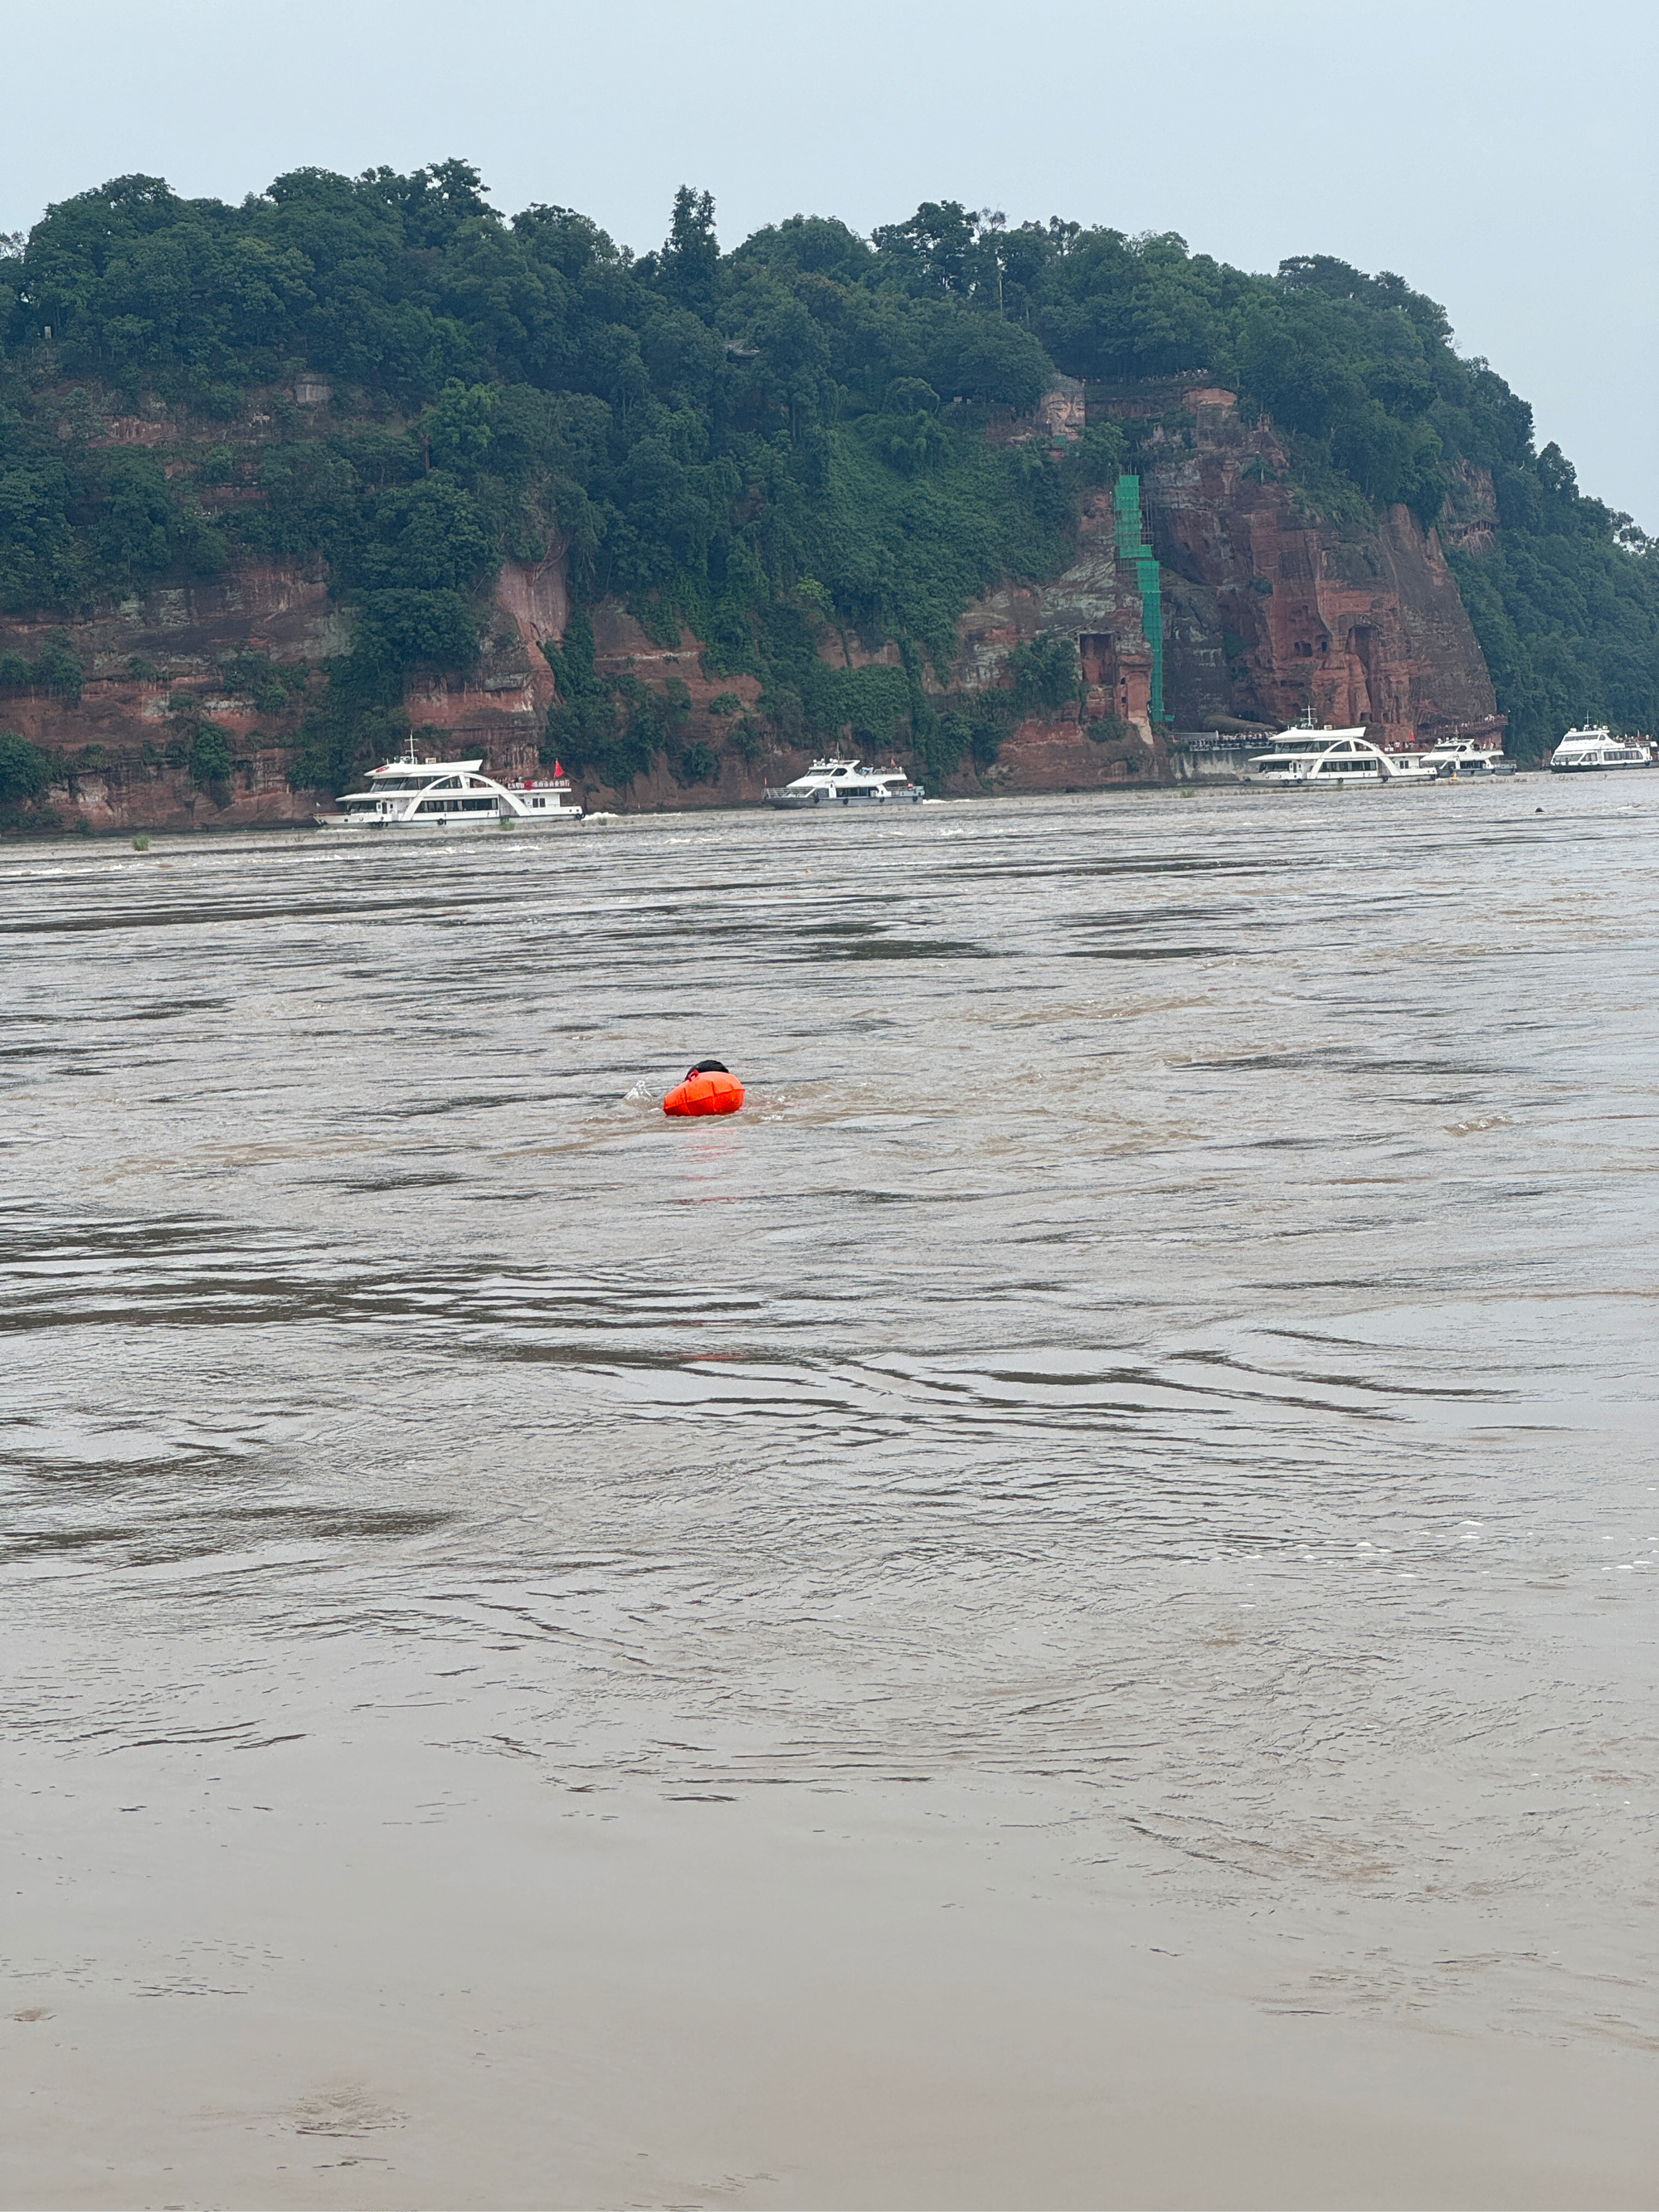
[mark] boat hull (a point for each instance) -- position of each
(792, 801)
(1356, 782)
(461, 825)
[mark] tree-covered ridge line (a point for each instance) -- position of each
(772, 444)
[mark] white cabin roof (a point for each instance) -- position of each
(1315, 745)
(426, 768)
(851, 768)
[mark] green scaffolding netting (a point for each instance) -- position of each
(1132, 546)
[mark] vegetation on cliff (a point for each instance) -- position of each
(1566, 608)
(780, 447)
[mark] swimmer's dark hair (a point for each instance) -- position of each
(710, 1067)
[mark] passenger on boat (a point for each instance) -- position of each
(709, 1088)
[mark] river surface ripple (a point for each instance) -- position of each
(1108, 1521)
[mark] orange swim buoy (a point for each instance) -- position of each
(708, 1089)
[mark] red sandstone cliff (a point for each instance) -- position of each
(1270, 608)
(153, 662)
(1096, 602)
(123, 753)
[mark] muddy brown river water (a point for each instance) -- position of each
(1062, 1613)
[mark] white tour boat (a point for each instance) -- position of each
(1328, 758)
(1460, 756)
(433, 794)
(846, 780)
(1597, 747)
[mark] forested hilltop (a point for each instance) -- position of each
(767, 445)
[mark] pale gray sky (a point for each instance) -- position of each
(1499, 156)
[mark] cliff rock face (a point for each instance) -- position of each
(500, 711)
(1273, 609)
(1096, 603)
(152, 672)
(124, 753)
(621, 648)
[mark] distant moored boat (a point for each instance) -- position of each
(1461, 757)
(1596, 747)
(1322, 759)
